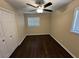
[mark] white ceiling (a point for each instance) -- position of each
(21, 4)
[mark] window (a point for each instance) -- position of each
(75, 27)
(33, 21)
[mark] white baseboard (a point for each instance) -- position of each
(29, 35)
(39, 34)
(63, 47)
(21, 40)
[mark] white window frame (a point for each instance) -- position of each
(33, 21)
(75, 24)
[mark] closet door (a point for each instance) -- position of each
(10, 32)
(3, 47)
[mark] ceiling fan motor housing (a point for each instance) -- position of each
(40, 2)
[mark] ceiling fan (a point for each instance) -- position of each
(40, 6)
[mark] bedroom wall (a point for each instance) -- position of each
(44, 27)
(4, 4)
(20, 26)
(61, 23)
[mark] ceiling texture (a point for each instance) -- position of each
(21, 4)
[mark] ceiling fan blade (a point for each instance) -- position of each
(32, 10)
(31, 5)
(48, 4)
(47, 10)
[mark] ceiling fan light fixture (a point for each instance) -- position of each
(39, 10)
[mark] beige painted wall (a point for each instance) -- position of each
(19, 19)
(5, 5)
(20, 26)
(44, 27)
(61, 23)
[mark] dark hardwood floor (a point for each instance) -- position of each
(40, 46)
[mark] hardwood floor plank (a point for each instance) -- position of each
(40, 46)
